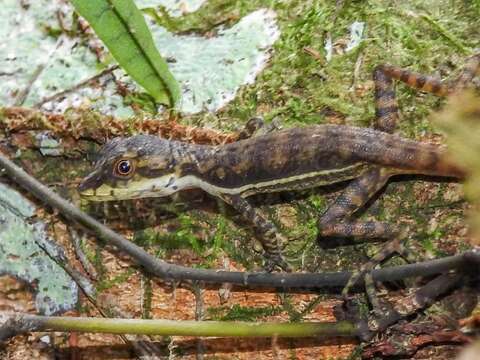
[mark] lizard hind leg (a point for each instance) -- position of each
(425, 83)
(386, 108)
(363, 188)
(337, 222)
(429, 84)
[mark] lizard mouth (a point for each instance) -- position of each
(132, 189)
(108, 193)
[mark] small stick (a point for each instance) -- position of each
(22, 95)
(422, 298)
(76, 241)
(75, 87)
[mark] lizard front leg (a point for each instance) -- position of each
(336, 221)
(251, 128)
(266, 231)
(255, 127)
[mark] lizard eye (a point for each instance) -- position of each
(124, 167)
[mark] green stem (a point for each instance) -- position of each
(192, 328)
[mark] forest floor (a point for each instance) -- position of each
(299, 87)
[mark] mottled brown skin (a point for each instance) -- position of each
(291, 159)
(276, 156)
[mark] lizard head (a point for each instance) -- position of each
(135, 167)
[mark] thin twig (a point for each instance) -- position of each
(356, 70)
(23, 94)
(76, 241)
(168, 271)
(197, 291)
(76, 87)
(421, 299)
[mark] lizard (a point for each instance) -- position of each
(297, 158)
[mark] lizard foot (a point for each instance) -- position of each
(390, 248)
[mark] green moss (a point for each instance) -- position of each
(297, 315)
(301, 89)
(241, 313)
(105, 284)
(147, 297)
(182, 236)
(207, 235)
(98, 260)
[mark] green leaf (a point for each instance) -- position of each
(121, 26)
